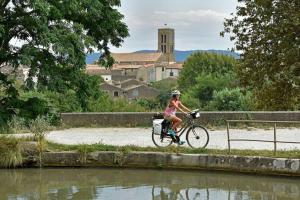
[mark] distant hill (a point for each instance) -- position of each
(180, 56)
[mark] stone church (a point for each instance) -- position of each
(139, 69)
(146, 67)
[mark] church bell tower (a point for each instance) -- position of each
(166, 43)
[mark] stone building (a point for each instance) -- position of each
(166, 43)
(150, 66)
(106, 74)
(139, 58)
(140, 69)
(130, 89)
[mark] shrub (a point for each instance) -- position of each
(39, 127)
(106, 104)
(189, 100)
(149, 104)
(231, 100)
(10, 152)
(17, 124)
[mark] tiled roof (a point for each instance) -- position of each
(128, 80)
(132, 87)
(118, 67)
(174, 66)
(127, 66)
(110, 85)
(97, 70)
(136, 57)
(137, 86)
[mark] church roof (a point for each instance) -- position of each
(175, 66)
(136, 57)
(97, 70)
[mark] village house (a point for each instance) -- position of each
(130, 89)
(140, 69)
(147, 67)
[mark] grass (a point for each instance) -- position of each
(172, 149)
(10, 152)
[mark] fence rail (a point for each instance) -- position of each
(275, 141)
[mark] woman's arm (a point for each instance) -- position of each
(177, 107)
(181, 105)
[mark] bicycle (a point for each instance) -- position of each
(196, 136)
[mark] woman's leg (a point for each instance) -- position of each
(176, 122)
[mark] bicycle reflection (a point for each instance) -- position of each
(164, 193)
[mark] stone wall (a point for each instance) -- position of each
(145, 119)
(248, 164)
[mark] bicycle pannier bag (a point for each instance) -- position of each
(157, 127)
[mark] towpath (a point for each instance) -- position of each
(142, 137)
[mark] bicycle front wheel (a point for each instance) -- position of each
(197, 137)
(161, 141)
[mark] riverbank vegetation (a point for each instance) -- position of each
(12, 155)
(85, 148)
(10, 152)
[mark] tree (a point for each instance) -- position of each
(204, 63)
(267, 33)
(203, 74)
(200, 94)
(52, 39)
(231, 99)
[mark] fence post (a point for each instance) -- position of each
(275, 140)
(228, 138)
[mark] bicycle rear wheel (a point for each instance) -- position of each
(197, 137)
(161, 142)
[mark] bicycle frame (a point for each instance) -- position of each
(188, 124)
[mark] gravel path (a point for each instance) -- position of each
(142, 137)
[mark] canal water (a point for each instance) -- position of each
(131, 184)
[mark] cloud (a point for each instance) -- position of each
(192, 16)
(195, 29)
(179, 18)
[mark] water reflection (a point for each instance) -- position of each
(82, 184)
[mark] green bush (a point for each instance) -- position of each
(231, 100)
(17, 124)
(46, 107)
(149, 104)
(189, 100)
(107, 104)
(10, 152)
(66, 102)
(165, 84)
(204, 63)
(40, 127)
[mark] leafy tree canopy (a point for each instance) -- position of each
(267, 33)
(51, 37)
(202, 63)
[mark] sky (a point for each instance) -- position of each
(197, 23)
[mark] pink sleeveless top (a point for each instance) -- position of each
(171, 110)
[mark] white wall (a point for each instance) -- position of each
(175, 72)
(106, 78)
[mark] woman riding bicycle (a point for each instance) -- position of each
(170, 114)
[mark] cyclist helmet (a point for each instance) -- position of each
(175, 93)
